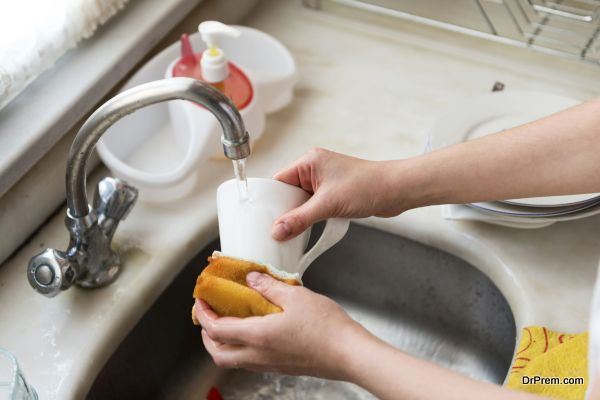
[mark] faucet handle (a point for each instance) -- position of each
(50, 272)
(114, 198)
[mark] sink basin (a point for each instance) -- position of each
(418, 298)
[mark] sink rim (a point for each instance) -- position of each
(377, 228)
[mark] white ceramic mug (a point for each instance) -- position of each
(245, 225)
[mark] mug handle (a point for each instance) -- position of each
(334, 231)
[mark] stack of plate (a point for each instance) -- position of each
(540, 211)
(492, 113)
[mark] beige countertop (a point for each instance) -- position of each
(415, 72)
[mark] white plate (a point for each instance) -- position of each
(496, 217)
(554, 201)
(493, 112)
(502, 209)
(461, 212)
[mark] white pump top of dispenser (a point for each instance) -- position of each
(213, 65)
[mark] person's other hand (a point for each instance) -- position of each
(310, 337)
(341, 186)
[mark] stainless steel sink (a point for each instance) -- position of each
(419, 299)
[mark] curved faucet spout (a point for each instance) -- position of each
(235, 139)
(89, 260)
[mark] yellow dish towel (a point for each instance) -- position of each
(550, 364)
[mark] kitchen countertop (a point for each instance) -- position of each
(415, 72)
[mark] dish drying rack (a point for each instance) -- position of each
(567, 28)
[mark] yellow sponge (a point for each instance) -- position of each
(550, 364)
(223, 286)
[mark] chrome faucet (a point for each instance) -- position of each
(89, 260)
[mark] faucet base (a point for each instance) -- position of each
(89, 262)
(109, 271)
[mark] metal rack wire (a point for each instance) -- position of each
(563, 27)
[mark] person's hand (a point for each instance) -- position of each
(342, 186)
(314, 336)
(310, 337)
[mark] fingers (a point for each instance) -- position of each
(289, 174)
(225, 330)
(234, 356)
(303, 171)
(296, 221)
(223, 355)
(273, 290)
(202, 306)
(235, 331)
(205, 307)
(299, 173)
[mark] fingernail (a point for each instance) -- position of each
(280, 231)
(253, 278)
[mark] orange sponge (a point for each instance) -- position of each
(222, 285)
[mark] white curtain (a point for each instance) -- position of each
(35, 33)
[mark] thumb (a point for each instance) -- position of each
(273, 290)
(296, 221)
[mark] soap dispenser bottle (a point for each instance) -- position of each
(212, 66)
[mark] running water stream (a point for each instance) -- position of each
(239, 170)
